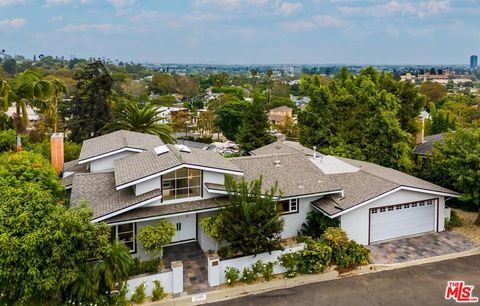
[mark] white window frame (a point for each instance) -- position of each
(188, 184)
(292, 206)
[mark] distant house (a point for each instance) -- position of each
(278, 115)
(33, 117)
(424, 144)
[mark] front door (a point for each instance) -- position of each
(185, 226)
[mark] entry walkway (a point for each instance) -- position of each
(418, 247)
(195, 278)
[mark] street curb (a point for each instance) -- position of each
(331, 274)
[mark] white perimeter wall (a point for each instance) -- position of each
(165, 278)
(355, 222)
(106, 163)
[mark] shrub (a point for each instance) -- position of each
(454, 221)
(337, 239)
(226, 252)
(142, 267)
(355, 255)
(120, 298)
(139, 295)
(265, 269)
(290, 261)
(232, 275)
(249, 276)
(158, 293)
(316, 224)
(315, 257)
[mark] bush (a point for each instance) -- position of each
(337, 239)
(249, 276)
(265, 269)
(158, 293)
(454, 221)
(315, 257)
(355, 255)
(120, 298)
(316, 224)
(232, 275)
(290, 261)
(226, 252)
(142, 267)
(139, 295)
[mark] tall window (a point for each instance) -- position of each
(125, 233)
(287, 206)
(180, 184)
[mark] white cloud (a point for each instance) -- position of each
(231, 5)
(121, 3)
(85, 27)
(288, 8)
(57, 2)
(12, 23)
(318, 21)
(399, 7)
(11, 2)
(57, 18)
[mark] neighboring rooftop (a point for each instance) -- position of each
(427, 146)
(283, 147)
(282, 108)
(148, 163)
(98, 190)
(116, 141)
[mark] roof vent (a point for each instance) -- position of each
(277, 163)
(161, 150)
(183, 148)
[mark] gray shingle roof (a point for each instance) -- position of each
(72, 166)
(148, 163)
(118, 140)
(296, 175)
(427, 146)
(98, 190)
(168, 209)
(283, 147)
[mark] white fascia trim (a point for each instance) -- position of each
(215, 191)
(158, 174)
(390, 192)
(121, 211)
(313, 195)
(139, 220)
(83, 161)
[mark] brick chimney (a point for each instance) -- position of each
(56, 149)
(421, 131)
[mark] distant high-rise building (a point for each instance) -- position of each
(473, 62)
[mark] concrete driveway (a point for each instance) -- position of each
(424, 246)
(418, 285)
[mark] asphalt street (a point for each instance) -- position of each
(419, 285)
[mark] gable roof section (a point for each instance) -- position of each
(295, 174)
(98, 190)
(283, 147)
(146, 165)
(281, 109)
(117, 141)
(427, 146)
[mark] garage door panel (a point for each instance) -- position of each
(387, 223)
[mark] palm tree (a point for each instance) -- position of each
(28, 89)
(114, 269)
(58, 89)
(4, 94)
(144, 119)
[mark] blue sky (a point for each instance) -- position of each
(245, 31)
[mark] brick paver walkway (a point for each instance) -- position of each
(424, 246)
(195, 278)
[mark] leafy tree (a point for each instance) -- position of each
(164, 101)
(144, 119)
(434, 91)
(90, 110)
(163, 84)
(180, 121)
(10, 66)
(254, 132)
(8, 140)
(316, 224)
(456, 164)
(250, 223)
(229, 118)
(154, 237)
(219, 79)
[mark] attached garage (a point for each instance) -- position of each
(395, 221)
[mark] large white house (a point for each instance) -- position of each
(131, 179)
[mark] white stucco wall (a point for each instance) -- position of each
(293, 222)
(206, 243)
(147, 186)
(355, 222)
(106, 163)
(212, 177)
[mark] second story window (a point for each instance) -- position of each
(181, 184)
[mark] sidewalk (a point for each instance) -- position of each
(331, 274)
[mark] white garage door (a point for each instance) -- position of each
(396, 221)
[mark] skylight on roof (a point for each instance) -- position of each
(161, 150)
(183, 148)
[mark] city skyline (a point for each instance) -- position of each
(245, 31)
